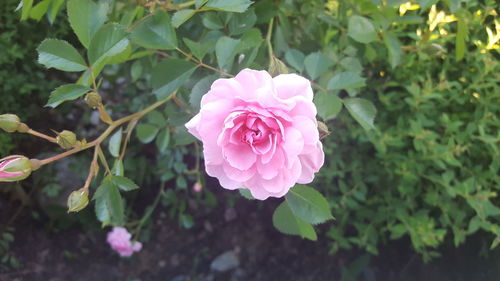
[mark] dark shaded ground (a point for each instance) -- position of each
(176, 254)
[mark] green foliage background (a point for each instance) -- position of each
(24, 85)
(427, 167)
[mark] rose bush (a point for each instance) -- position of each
(259, 132)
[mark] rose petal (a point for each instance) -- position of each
(238, 175)
(293, 145)
(271, 169)
(252, 81)
(192, 126)
(312, 160)
(239, 156)
(292, 85)
(308, 128)
(217, 171)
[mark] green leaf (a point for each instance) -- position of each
(136, 70)
(426, 3)
(61, 55)
(345, 80)
(328, 105)
(394, 48)
(124, 183)
(200, 3)
(40, 9)
(146, 132)
(122, 56)
(182, 137)
(117, 169)
(361, 110)
(85, 18)
(65, 93)
(155, 32)
(186, 221)
(55, 6)
(115, 205)
(199, 89)
(211, 20)
(237, 6)
(198, 49)
(241, 23)
(115, 143)
(246, 193)
(109, 40)
(295, 59)
(317, 64)
(252, 39)
(361, 29)
(163, 140)
(26, 8)
(182, 16)
(156, 118)
(461, 38)
(109, 205)
(169, 75)
(225, 50)
(308, 204)
(481, 203)
(101, 210)
(286, 222)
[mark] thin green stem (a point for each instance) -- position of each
(93, 169)
(103, 159)
(186, 4)
(93, 78)
(200, 63)
(107, 132)
(130, 128)
(40, 135)
(268, 39)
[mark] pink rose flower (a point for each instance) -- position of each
(119, 240)
(259, 132)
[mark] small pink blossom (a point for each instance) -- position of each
(119, 240)
(197, 187)
(259, 132)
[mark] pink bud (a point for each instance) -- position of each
(14, 168)
(197, 187)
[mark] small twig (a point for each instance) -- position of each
(107, 132)
(199, 62)
(40, 135)
(130, 128)
(314, 84)
(268, 39)
(93, 169)
(103, 159)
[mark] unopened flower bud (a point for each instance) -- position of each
(197, 187)
(78, 200)
(93, 99)
(66, 139)
(277, 67)
(323, 130)
(14, 168)
(9, 122)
